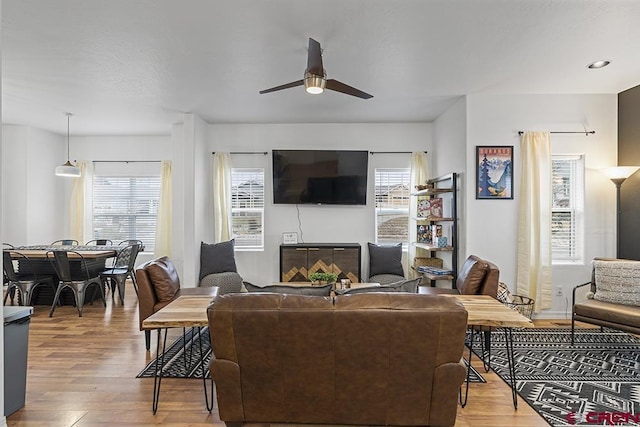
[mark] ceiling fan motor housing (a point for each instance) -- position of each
(314, 83)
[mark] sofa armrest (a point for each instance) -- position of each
(447, 380)
(579, 291)
(226, 375)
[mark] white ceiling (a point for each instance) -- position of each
(136, 66)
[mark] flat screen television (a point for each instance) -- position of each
(332, 177)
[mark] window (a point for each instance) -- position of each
(126, 207)
(392, 205)
(567, 208)
(247, 207)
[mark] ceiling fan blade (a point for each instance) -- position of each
(314, 58)
(333, 84)
(285, 86)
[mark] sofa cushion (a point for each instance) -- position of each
(322, 291)
(217, 258)
(617, 282)
(164, 278)
(610, 313)
(385, 259)
(410, 286)
(227, 282)
(471, 276)
(385, 279)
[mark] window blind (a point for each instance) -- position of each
(392, 205)
(247, 207)
(126, 207)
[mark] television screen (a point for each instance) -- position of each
(335, 177)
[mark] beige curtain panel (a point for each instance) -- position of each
(221, 197)
(165, 213)
(420, 173)
(534, 220)
(80, 214)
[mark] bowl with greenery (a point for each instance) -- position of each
(319, 278)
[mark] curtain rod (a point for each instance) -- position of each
(246, 152)
(393, 152)
(126, 161)
(586, 132)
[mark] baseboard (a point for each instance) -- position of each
(556, 314)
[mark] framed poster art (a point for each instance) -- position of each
(494, 172)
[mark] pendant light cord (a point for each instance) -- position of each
(68, 117)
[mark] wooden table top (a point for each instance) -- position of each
(191, 310)
(89, 254)
(486, 311)
(186, 311)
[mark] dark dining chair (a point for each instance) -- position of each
(99, 242)
(131, 242)
(77, 279)
(23, 283)
(65, 242)
(116, 276)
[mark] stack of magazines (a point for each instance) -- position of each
(434, 270)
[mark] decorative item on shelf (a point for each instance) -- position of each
(441, 242)
(421, 187)
(423, 233)
(424, 208)
(427, 262)
(435, 208)
(319, 278)
(436, 233)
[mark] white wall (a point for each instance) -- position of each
(34, 199)
(492, 224)
(330, 224)
(450, 136)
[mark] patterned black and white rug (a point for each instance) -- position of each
(182, 361)
(594, 382)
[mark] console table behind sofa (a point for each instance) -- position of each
(298, 261)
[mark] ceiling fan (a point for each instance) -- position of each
(315, 77)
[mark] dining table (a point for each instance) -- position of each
(95, 257)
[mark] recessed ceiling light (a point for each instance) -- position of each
(598, 64)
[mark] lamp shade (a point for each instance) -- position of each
(620, 172)
(68, 170)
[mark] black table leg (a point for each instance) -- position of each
(508, 338)
(208, 402)
(463, 402)
(157, 373)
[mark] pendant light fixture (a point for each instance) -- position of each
(68, 169)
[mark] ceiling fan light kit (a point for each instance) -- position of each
(315, 77)
(68, 169)
(314, 84)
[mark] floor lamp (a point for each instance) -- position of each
(618, 175)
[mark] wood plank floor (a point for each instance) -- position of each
(82, 372)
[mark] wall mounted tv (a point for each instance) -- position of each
(332, 177)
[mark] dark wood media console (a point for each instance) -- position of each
(298, 261)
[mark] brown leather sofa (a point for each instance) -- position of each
(158, 285)
(364, 359)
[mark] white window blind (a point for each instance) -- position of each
(247, 207)
(567, 208)
(126, 207)
(392, 205)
